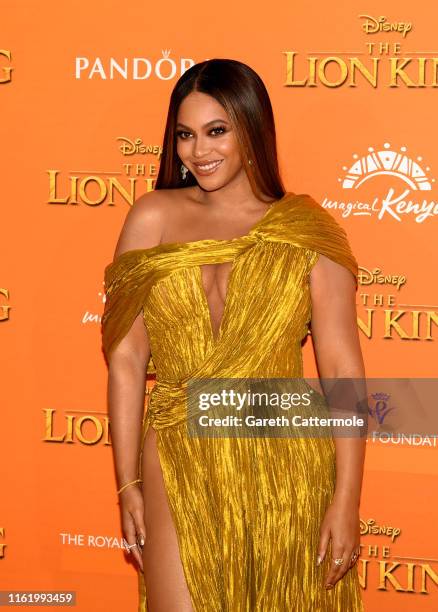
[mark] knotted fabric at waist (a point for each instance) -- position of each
(172, 403)
(167, 404)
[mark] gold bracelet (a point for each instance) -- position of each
(129, 483)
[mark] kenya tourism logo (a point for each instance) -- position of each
(409, 176)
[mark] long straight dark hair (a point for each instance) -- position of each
(242, 93)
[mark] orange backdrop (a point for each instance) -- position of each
(84, 94)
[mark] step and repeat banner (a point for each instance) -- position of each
(84, 92)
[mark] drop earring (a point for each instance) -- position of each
(184, 171)
(250, 162)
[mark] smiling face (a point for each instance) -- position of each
(206, 142)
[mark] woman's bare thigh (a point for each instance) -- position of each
(164, 578)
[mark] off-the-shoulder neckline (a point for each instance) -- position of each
(176, 244)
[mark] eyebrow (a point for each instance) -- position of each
(205, 125)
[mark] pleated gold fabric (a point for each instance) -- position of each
(247, 511)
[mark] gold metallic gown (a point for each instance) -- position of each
(247, 511)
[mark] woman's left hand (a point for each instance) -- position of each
(341, 524)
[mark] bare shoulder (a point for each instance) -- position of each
(146, 219)
(330, 277)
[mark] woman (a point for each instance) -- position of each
(218, 273)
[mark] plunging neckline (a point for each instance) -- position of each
(215, 336)
(150, 252)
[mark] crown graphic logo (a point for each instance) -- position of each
(387, 162)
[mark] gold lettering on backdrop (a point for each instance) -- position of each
(98, 428)
(4, 308)
(332, 71)
(371, 527)
(347, 69)
(386, 575)
(426, 570)
(398, 71)
(2, 545)
(317, 71)
(133, 147)
(140, 169)
(381, 24)
(402, 574)
(7, 70)
(397, 576)
(392, 324)
(417, 324)
(94, 190)
(362, 565)
(53, 199)
(376, 277)
(432, 319)
(366, 327)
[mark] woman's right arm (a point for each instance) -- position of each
(127, 366)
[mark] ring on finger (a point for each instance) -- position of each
(338, 561)
(354, 557)
(127, 546)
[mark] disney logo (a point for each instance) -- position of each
(381, 24)
(370, 527)
(129, 147)
(368, 277)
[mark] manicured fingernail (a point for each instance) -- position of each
(329, 586)
(318, 560)
(142, 540)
